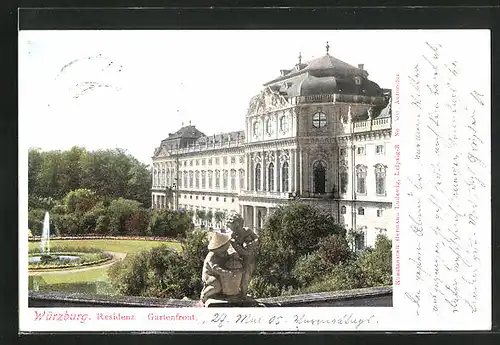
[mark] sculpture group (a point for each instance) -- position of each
(230, 262)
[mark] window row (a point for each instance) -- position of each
(361, 211)
(207, 179)
(269, 181)
(203, 197)
(380, 172)
(216, 160)
(360, 150)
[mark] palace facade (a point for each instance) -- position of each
(319, 133)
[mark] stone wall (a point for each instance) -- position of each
(367, 297)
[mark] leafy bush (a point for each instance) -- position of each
(291, 232)
(170, 223)
(35, 221)
(119, 211)
(334, 250)
(376, 264)
(309, 268)
(162, 271)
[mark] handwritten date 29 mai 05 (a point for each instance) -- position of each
(222, 319)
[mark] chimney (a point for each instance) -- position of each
(361, 66)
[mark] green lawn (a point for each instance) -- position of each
(72, 281)
(119, 246)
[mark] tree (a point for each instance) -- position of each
(170, 223)
(209, 217)
(291, 232)
(201, 216)
(119, 212)
(376, 265)
(219, 217)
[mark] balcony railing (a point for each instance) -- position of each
(341, 98)
(368, 125)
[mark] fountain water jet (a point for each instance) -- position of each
(45, 256)
(45, 241)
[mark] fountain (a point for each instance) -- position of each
(45, 241)
(45, 256)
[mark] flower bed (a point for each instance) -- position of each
(100, 237)
(85, 259)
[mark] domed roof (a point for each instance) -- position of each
(317, 86)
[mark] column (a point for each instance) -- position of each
(255, 221)
(292, 170)
(301, 168)
(276, 170)
(247, 172)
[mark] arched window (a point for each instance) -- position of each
(284, 177)
(361, 179)
(380, 173)
(257, 177)
(319, 176)
(217, 178)
(343, 210)
(319, 120)
(190, 179)
(242, 178)
(270, 177)
(203, 179)
(197, 179)
(210, 179)
(233, 179)
(344, 180)
(224, 179)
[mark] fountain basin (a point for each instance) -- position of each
(39, 258)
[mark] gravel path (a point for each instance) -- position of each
(116, 257)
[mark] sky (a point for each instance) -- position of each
(146, 84)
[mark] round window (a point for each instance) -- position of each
(319, 120)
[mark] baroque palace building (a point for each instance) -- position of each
(319, 133)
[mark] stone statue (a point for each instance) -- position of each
(229, 265)
(222, 268)
(245, 243)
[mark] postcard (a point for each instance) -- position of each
(254, 180)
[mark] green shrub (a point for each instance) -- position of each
(309, 268)
(162, 271)
(291, 232)
(376, 264)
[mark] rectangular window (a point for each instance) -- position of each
(197, 162)
(233, 160)
(380, 213)
(217, 160)
(224, 160)
(361, 150)
(210, 161)
(379, 149)
(204, 161)
(242, 159)
(342, 151)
